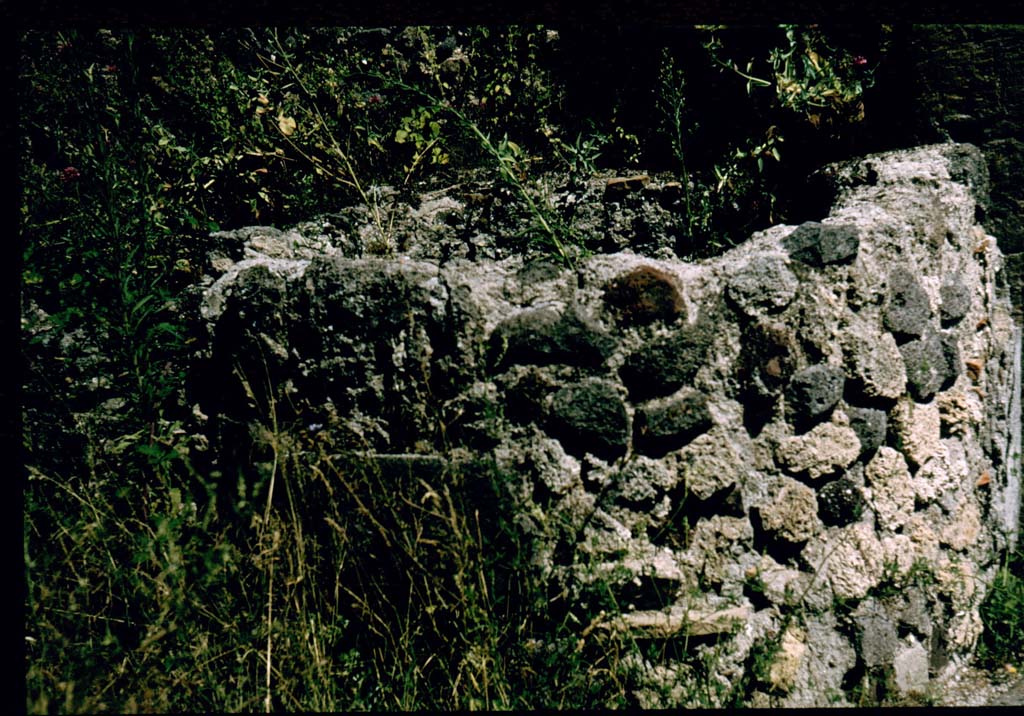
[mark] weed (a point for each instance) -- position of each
(810, 76)
(1002, 612)
(580, 157)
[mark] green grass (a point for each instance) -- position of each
(318, 585)
(1002, 612)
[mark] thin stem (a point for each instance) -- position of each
(270, 629)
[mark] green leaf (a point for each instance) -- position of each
(168, 328)
(142, 304)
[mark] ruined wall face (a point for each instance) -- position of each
(810, 443)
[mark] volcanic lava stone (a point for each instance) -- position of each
(663, 365)
(840, 502)
(589, 417)
(524, 399)
(763, 283)
(644, 295)
(932, 363)
(815, 390)
(907, 310)
(870, 426)
(951, 353)
(547, 335)
(822, 244)
(956, 301)
(660, 429)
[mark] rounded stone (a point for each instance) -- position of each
(549, 335)
(590, 417)
(664, 365)
(669, 426)
(840, 502)
(644, 295)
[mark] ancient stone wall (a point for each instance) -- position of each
(802, 455)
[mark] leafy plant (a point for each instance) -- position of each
(581, 155)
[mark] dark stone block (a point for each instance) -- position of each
(870, 426)
(951, 354)
(664, 365)
(546, 335)
(840, 502)
(661, 429)
(927, 366)
(590, 417)
(815, 390)
(644, 295)
(907, 310)
(956, 302)
(822, 244)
